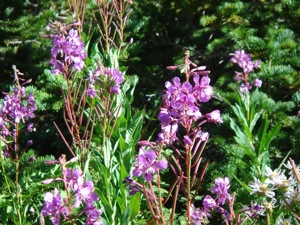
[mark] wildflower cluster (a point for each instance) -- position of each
(216, 205)
(67, 52)
(181, 104)
(180, 111)
(201, 215)
(17, 108)
(147, 163)
(244, 61)
(276, 185)
(109, 78)
(80, 195)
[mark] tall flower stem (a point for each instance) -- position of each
(268, 219)
(16, 149)
(188, 183)
(160, 196)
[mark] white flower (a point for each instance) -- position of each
(292, 196)
(275, 177)
(262, 188)
(268, 205)
(287, 184)
(290, 167)
(284, 221)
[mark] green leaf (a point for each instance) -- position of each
(242, 139)
(135, 126)
(243, 184)
(135, 205)
(254, 120)
(264, 160)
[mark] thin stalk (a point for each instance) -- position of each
(292, 210)
(176, 190)
(172, 217)
(16, 149)
(159, 215)
(62, 136)
(150, 205)
(160, 200)
(268, 219)
(188, 182)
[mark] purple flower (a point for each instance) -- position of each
(244, 88)
(214, 117)
(209, 203)
(73, 178)
(187, 140)
(244, 60)
(198, 216)
(254, 210)
(204, 91)
(91, 91)
(221, 190)
(257, 82)
(105, 77)
(85, 193)
(92, 214)
(116, 76)
(30, 127)
(203, 136)
(29, 143)
(3, 125)
(168, 134)
(53, 207)
(66, 52)
(147, 164)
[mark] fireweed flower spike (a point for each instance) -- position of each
(244, 61)
(18, 106)
(181, 104)
(147, 164)
(111, 77)
(53, 207)
(81, 195)
(67, 51)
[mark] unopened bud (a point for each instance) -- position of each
(31, 159)
(172, 67)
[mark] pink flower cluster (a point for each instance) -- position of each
(82, 195)
(147, 164)
(17, 107)
(181, 104)
(67, 52)
(109, 78)
(244, 61)
(201, 215)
